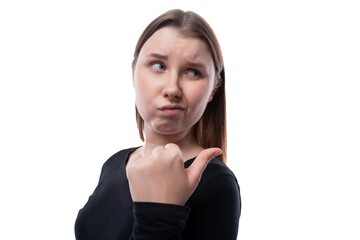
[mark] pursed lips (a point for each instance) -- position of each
(171, 109)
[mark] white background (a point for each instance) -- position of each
(292, 72)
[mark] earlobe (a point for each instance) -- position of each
(211, 96)
(218, 82)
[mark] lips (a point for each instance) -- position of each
(171, 107)
(171, 110)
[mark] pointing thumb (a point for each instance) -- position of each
(198, 166)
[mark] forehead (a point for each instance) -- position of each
(169, 41)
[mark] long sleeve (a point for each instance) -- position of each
(215, 210)
(155, 221)
(211, 213)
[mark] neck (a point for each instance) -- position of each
(186, 142)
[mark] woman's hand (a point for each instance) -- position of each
(161, 177)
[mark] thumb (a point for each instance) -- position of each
(198, 166)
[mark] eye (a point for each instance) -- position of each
(158, 66)
(193, 73)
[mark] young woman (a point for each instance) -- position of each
(175, 186)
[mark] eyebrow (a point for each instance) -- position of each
(164, 57)
(196, 65)
(157, 55)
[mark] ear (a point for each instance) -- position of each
(213, 93)
(217, 85)
(211, 96)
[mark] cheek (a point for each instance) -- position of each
(139, 83)
(199, 98)
(144, 90)
(140, 95)
(143, 79)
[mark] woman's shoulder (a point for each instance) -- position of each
(218, 184)
(217, 168)
(118, 158)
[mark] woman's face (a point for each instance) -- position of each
(174, 80)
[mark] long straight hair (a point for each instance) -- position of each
(210, 130)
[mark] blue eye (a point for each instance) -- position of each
(193, 73)
(158, 66)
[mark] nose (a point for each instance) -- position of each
(172, 87)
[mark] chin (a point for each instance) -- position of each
(168, 130)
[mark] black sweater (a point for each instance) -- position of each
(212, 212)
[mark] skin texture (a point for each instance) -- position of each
(174, 78)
